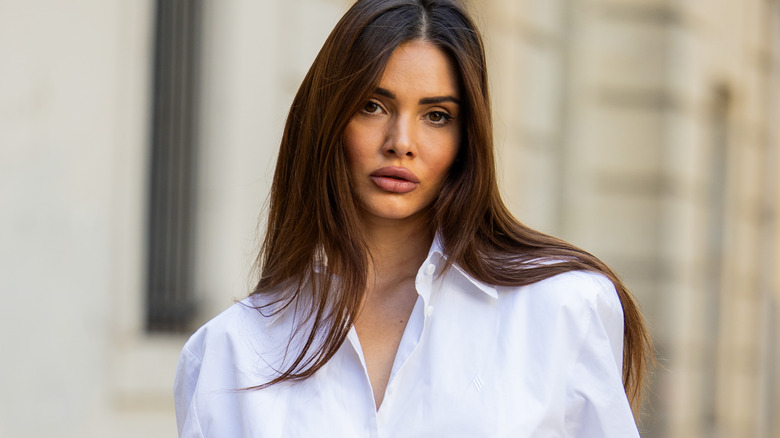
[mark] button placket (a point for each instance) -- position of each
(429, 271)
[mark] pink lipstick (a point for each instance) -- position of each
(395, 179)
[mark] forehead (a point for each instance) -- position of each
(420, 69)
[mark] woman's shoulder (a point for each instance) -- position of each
(568, 311)
(244, 322)
(576, 287)
(580, 295)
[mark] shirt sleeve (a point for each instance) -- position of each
(597, 405)
(184, 385)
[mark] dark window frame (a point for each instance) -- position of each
(171, 221)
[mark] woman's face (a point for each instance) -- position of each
(402, 142)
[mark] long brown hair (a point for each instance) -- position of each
(313, 227)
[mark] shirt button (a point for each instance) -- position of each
(429, 311)
(430, 269)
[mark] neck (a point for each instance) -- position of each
(397, 248)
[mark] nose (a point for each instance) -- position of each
(401, 139)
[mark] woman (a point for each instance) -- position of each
(398, 297)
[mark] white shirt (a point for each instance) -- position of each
(476, 360)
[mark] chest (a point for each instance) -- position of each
(380, 329)
(452, 375)
(465, 366)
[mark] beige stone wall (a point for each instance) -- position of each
(645, 132)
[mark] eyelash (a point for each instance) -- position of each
(444, 118)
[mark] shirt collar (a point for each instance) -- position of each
(435, 253)
(437, 248)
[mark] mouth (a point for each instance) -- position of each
(395, 179)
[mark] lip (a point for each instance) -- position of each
(395, 179)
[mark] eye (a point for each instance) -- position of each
(438, 118)
(372, 107)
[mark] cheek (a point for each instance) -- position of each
(359, 145)
(348, 140)
(446, 156)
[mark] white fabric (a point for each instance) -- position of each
(475, 361)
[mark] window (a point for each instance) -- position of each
(169, 303)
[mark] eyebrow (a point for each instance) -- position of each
(424, 101)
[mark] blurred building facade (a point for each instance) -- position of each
(642, 130)
(646, 131)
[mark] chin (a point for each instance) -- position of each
(391, 215)
(396, 214)
(393, 208)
